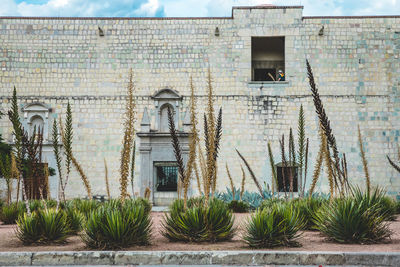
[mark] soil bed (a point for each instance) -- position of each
(310, 241)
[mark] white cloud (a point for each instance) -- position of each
(7, 8)
(82, 8)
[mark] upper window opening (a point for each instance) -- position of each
(268, 58)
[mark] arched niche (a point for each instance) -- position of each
(36, 114)
(163, 99)
(163, 117)
(36, 124)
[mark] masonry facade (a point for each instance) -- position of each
(355, 60)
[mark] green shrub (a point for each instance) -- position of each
(278, 225)
(10, 213)
(43, 226)
(75, 220)
(238, 206)
(110, 228)
(354, 220)
(199, 222)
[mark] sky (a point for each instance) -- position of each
(187, 8)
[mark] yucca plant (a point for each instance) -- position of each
(376, 198)
(28, 230)
(308, 207)
(144, 202)
(53, 224)
(36, 205)
(268, 203)
(85, 206)
(10, 213)
(188, 225)
(278, 225)
(43, 226)
(353, 220)
(75, 219)
(199, 222)
(109, 228)
(389, 207)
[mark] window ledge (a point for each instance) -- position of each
(268, 82)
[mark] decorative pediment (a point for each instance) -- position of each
(36, 107)
(166, 94)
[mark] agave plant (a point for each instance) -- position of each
(276, 226)
(110, 228)
(199, 222)
(353, 220)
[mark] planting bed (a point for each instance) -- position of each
(310, 241)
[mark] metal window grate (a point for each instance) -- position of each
(167, 177)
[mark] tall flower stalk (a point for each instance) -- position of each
(340, 175)
(18, 130)
(274, 180)
(57, 153)
(364, 161)
(106, 179)
(302, 147)
(128, 139)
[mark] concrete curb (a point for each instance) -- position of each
(199, 258)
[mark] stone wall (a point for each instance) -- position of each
(355, 62)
